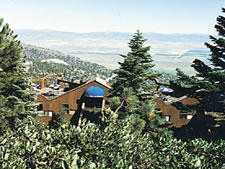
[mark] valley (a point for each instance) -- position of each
(169, 51)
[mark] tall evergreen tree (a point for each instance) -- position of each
(136, 70)
(15, 100)
(210, 77)
(209, 86)
(133, 87)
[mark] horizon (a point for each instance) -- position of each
(61, 31)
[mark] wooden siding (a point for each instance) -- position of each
(173, 112)
(71, 98)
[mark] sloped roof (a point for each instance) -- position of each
(97, 79)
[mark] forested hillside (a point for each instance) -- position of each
(38, 66)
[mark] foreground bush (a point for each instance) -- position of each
(93, 146)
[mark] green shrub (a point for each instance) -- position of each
(111, 146)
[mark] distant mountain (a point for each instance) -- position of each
(168, 50)
(43, 61)
(27, 34)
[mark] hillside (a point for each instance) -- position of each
(43, 61)
(169, 51)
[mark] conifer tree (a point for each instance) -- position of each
(140, 115)
(133, 88)
(15, 100)
(136, 70)
(211, 77)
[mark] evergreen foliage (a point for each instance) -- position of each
(15, 100)
(58, 119)
(209, 77)
(209, 86)
(136, 70)
(140, 115)
(133, 89)
(93, 146)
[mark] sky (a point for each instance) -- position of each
(161, 16)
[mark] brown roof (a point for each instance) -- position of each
(98, 80)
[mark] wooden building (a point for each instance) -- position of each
(71, 100)
(74, 98)
(173, 116)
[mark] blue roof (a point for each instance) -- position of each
(94, 91)
(166, 90)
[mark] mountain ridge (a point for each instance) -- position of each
(169, 51)
(74, 66)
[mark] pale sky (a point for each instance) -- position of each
(161, 16)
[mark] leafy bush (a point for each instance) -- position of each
(34, 146)
(93, 146)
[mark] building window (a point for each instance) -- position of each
(189, 116)
(40, 107)
(183, 116)
(64, 108)
(48, 113)
(167, 118)
(72, 111)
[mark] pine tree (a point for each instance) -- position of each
(15, 100)
(211, 77)
(133, 88)
(140, 115)
(136, 70)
